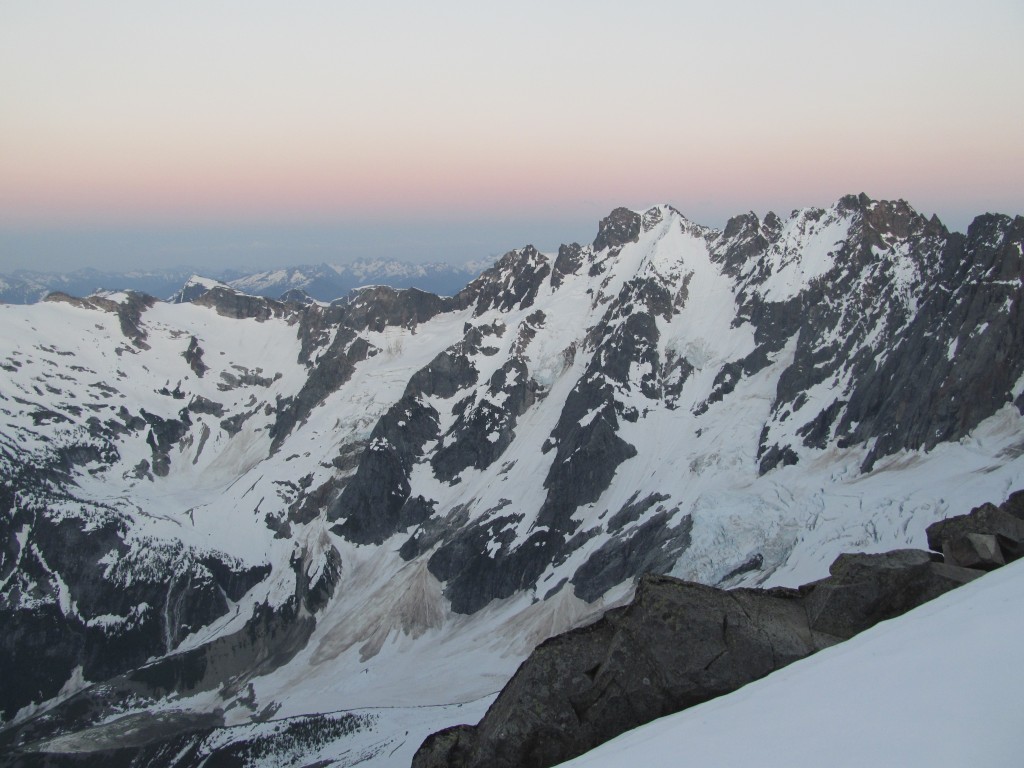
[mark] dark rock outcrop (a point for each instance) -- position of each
(230, 303)
(653, 547)
(514, 281)
(863, 590)
(103, 619)
(270, 637)
(129, 311)
(194, 357)
(377, 307)
(486, 428)
(568, 262)
(376, 503)
(619, 227)
(677, 644)
(926, 395)
(191, 291)
(334, 367)
(987, 537)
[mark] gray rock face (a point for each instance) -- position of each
(192, 590)
(652, 547)
(129, 312)
(377, 307)
(194, 357)
(621, 226)
(376, 503)
(568, 262)
(473, 581)
(987, 537)
(866, 589)
(240, 306)
(975, 550)
(849, 324)
(513, 282)
(296, 296)
(372, 505)
(677, 644)
(373, 308)
(333, 369)
(269, 638)
(1014, 505)
(924, 395)
(191, 291)
(485, 429)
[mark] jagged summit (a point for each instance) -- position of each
(195, 287)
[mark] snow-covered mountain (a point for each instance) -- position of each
(28, 287)
(323, 282)
(327, 282)
(233, 513)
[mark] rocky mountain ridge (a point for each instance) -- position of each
(359, 491)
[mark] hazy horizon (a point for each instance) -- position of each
(252, 246)
(262, 135)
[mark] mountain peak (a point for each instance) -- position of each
(619, 227)
(891, 217)
(195, 287)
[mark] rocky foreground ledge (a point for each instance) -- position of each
(678, 644)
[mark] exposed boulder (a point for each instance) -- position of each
(866, 589)
(975, 550)
(1014, 505)
(962, 541)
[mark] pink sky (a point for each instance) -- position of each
(125, 114)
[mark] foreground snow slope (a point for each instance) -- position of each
(939, 686)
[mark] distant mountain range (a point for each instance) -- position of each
(324, 282)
